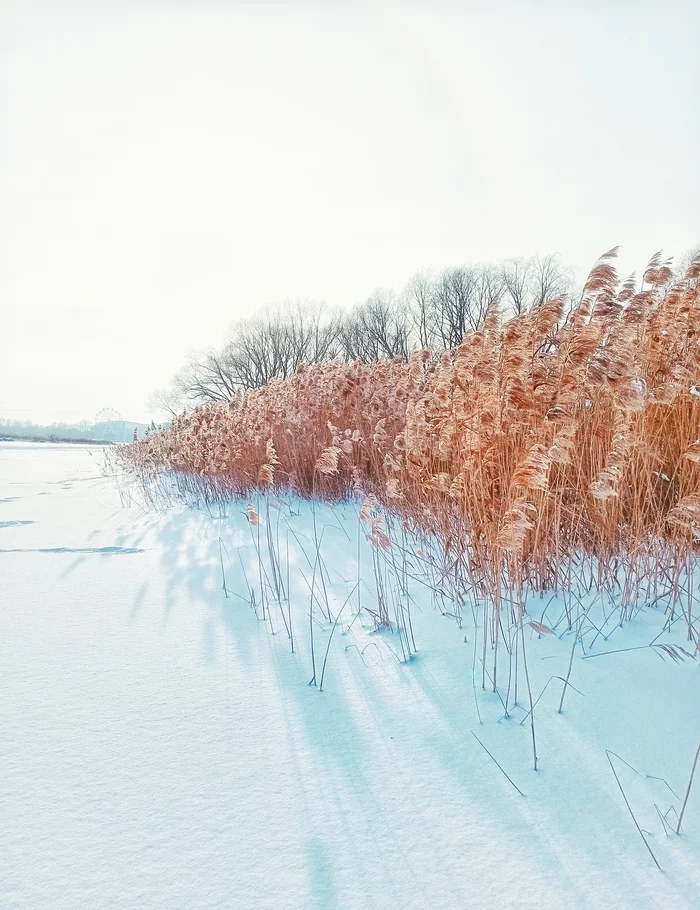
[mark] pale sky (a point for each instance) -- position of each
(166, 168)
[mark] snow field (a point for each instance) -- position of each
(161, 746)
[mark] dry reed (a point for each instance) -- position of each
(550, 444)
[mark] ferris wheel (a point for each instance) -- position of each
(108, 415)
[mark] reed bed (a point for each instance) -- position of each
(556, 451)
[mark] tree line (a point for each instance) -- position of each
(433, 311)
(83, 431)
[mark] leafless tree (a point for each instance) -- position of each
(313, 331)
(517, 281)
(460, 301)
(551, 278)
(378, 329)
(488, 290)
(166, 401)
(682, 264)
(434, 312)
(417, 300)
(207, 377)
(270, 345)
(534, 280)
(451, 304)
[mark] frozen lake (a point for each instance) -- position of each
(160, 748)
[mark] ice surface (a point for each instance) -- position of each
(161, 748)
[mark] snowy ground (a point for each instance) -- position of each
(160, 747)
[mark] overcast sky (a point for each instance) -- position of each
(167, 168)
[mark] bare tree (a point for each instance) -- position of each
(431, 312)
(273, 344)
(534, 280)
(270, 345)
(683, 262)
(488, 289)
(207, 377)
(418, 303)
(517, 281)
(313, 330)
(461, 300)
(451, 304)
(550, 278)
(166, 401)
(377, 329)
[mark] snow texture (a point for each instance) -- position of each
(161, 747)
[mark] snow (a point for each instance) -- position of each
(162, 748)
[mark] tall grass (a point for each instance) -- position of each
(551, 452)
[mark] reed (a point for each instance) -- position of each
(550, 451)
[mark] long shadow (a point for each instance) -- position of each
(320, 864)
(328, 754)
(332, 736)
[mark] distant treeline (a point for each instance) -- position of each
(20, 437)
(103, 432)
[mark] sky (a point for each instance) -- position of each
(167, 168)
